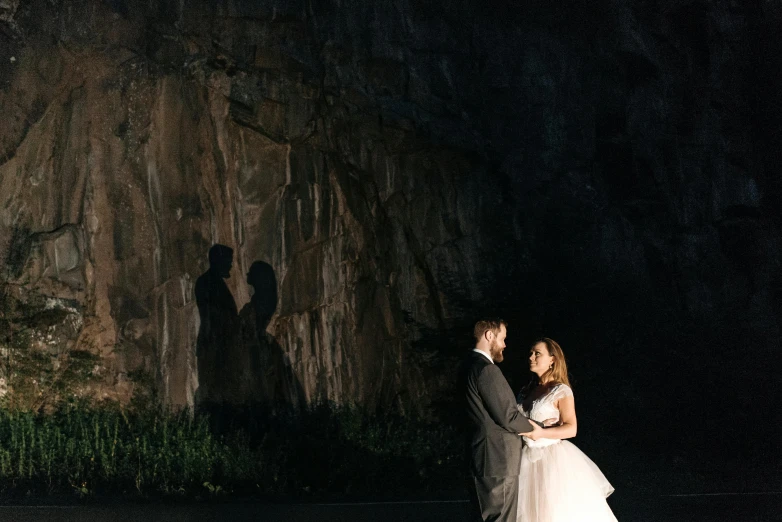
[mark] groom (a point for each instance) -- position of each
(493, 425)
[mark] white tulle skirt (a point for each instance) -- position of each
(558, 483)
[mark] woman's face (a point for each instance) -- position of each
(539, 359)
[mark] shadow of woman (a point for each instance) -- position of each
(267, 383)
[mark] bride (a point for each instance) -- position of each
(558, 483)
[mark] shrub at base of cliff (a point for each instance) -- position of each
(87, 451)
(39, 365)
(83, 451)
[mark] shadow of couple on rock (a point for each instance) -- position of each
(245, 377)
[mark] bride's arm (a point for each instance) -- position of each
(568, 427)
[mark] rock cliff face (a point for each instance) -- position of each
(402, 167)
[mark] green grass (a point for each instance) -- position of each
(106, 450)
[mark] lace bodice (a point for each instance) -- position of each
(544, 408)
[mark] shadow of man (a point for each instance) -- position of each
(216, 334)
(270, 385)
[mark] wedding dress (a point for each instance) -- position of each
(558, 483)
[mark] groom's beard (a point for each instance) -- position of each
(496, 352)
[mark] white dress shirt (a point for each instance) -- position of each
(484, 354)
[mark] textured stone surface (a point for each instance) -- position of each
(583, 170)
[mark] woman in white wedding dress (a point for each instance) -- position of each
(558, 483)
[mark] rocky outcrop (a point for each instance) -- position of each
(401, 167)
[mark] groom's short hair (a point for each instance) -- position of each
(494, 324)
(220, 254)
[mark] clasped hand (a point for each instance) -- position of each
(538, 431)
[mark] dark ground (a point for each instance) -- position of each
(743, 508)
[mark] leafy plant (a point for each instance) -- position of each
(91, 450)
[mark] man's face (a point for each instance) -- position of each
(498, 344)
(225, 267)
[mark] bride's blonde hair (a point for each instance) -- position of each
(558, 371)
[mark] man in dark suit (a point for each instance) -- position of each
(493, 426)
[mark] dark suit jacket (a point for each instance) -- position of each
(493, 421)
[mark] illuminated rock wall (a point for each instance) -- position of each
(401, 167)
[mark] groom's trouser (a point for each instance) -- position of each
(498, 498)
